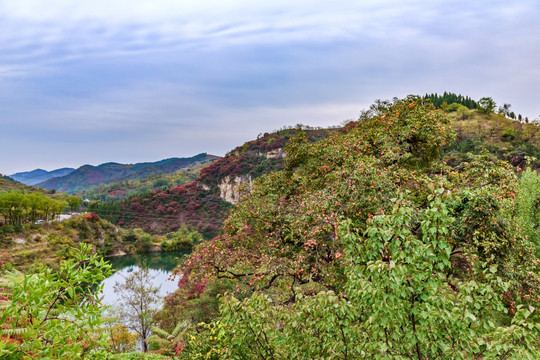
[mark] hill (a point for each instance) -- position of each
(508, 139)
(122, 190)
(7, 184)
(88, 176)
(204, 204)
(45, 244)
(39, 175)
(368, 244)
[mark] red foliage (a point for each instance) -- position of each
(198, 204)
(197, 289)
(91, 217)
(9, 340)
(179, 347)
(116, 193)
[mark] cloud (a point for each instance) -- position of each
(181, 75)
(57, 31)
(64, 29)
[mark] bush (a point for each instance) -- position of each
(55, 314)
(181, 240)
(91, 217)
(509, 134)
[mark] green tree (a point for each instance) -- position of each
(56, 314)
(18, 208)
(486, 105)
(400, 305)
(450, 98)
(181, 240)
(74, 203)
(505, 110)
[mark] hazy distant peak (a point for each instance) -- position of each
(39, 175)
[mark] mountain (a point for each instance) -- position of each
(122, 190)
(204, 204)
(88, 176)
(39, 175)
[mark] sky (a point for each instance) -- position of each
(89, 82)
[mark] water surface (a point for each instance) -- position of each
(160, 266)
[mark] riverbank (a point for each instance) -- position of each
(27, 247)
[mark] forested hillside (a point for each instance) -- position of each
(125, 189)
(369, 245)
(201, 204)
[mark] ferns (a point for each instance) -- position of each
(14, 332)
(180, 329)
(160, 332)
(161, 339)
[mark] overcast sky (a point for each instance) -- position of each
(88, 82)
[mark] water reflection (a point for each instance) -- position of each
(160, 266)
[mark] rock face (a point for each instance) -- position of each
(275, 154)
(230, 189)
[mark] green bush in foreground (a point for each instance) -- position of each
(55, 314)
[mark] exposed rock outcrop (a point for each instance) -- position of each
(275, 154)
(230, 189)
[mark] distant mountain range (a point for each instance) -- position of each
(88, 176)
(39, 175)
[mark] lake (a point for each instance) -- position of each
(160, 266)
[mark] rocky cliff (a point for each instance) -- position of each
(232, 188)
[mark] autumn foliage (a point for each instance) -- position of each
(197, 204)
(369, 245)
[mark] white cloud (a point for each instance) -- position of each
(11, 71)
(61, 30)
(90, 27)
(121, 11)
(160, 70)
